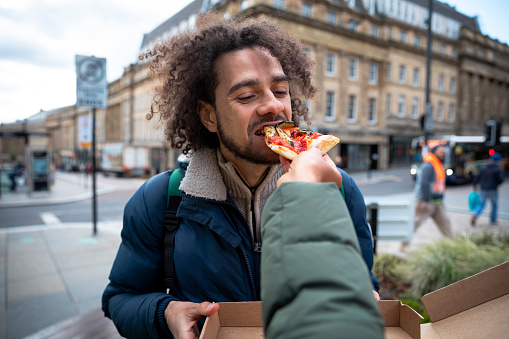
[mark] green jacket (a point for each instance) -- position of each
(314, 281)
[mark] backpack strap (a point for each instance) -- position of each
(171, 224)
(342, 189)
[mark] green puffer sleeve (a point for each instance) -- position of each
(314, 281)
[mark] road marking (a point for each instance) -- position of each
(49, 218)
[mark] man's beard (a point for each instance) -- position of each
(249, 152)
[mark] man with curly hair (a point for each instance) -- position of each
(219, 85)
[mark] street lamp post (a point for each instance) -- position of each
(428, 117)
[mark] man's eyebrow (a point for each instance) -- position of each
(252, 82)
(243, 83)
(280, 78)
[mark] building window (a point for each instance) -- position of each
(417, 41)
(454, 52)
(372, 111)
(388, 104)
(402, 74)
(353, 25)
(442, 49)
(331, 17)
(374, 31)
(441, 83)
(373, 73)
(331, 64)
(451, 113)
(440, 114)
(388, 74)
(401, 106)
(389, 33)
(416, 77)
(352, 69)
(352, 108)
(306, 10)
(452, 88)
(415, 108)
(403, 37)
(279, 4)
(329, 106)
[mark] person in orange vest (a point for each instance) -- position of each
(429, 191)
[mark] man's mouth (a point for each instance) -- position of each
(260, 132)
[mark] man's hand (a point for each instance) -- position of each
(182, 317)
(376, 295)
(310, 166)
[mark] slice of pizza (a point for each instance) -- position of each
(287, 139)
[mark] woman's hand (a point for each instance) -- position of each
(310, 166)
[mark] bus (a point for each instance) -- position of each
(464, 155)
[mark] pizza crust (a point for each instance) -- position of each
(284, 151)
(324, 143)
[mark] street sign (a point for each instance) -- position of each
(91, 85)
(85, 131)
(428, 120)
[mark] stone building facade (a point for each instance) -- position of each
(371, 69)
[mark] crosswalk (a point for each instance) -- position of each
(49, 218)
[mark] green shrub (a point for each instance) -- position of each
(387, 265)
(448, 261)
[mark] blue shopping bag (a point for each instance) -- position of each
(473, 200)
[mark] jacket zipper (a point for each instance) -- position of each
(257, 244)
(250, 272)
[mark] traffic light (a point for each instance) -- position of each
(491, 152)
(492, 133)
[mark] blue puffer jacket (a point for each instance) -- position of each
(214, 259)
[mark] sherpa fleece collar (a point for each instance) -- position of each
(204, 176)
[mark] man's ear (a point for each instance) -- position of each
(207, 115)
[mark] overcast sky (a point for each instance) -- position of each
(40, 38)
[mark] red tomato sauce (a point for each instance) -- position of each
(299, 142)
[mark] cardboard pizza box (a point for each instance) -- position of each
(244, 320)
(475, 307)
(401, 321)
(235, 320)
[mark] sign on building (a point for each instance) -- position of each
(85, 131)
(91, 85)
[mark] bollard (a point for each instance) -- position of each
(373, 221)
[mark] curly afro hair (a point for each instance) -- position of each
(184, 66)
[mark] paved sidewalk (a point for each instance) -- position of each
(49, 273)
(52, 273)
(68, 187)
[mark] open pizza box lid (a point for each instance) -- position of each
(244, 320)
(475, 307)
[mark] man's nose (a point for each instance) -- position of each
(271, 105)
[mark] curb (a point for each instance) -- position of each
(53, 201)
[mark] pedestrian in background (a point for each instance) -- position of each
(490, 177)
(429, 192)
(17, 172)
